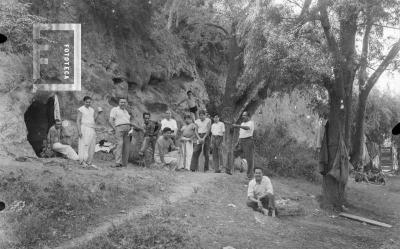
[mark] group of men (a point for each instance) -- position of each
(190, 140)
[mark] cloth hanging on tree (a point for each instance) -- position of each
(324, 153)
(57, 113)
(341, 166)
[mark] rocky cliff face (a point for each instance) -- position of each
(151, 72)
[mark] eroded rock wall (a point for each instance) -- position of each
(152, 73)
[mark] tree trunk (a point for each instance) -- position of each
(348, 118)
(359, 133)
(231, 136)
(333, 191)
(229, 106)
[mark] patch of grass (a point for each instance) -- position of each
(157, 230)
(48, 211)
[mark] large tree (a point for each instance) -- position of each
(342, 22)
(376, 15)
(244, 52)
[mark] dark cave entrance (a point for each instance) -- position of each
(39, 117)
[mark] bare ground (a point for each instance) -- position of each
(201, 201)
(214, 224)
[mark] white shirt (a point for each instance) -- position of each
(218, 129)
(246, 133)
(120, 116)
(202, 125)
(87, 116)
(256, 190)
(169, 123)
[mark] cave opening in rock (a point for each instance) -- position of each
(39, 117)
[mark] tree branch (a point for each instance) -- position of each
(362, 76)
(384, 64)
(305, 16)
(325, 23)
(215, 26)
(379, 25)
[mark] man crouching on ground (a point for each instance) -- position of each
(163, 145)
(260, 194)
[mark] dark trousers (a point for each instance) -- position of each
(217, 152)
(148, 141)
(246, 147)
(268, 202)
(197, 148)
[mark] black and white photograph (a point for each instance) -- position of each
(199, 124)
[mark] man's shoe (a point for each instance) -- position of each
(118, 165)
(218, 171)
(228, 172)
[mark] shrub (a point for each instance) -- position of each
(280, 154)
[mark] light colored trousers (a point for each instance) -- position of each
(87, 144)
(169, 158)
(65, 150)
(123, 144)
(186, 154)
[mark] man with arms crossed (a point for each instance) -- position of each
(260, 194)
(86, 129)
(120, 121)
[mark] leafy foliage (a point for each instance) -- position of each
(382, 114)
(16, 23)
(281, 154)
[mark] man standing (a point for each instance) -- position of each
(86, 129)
(169, 122)
(163, 145)
(151, 129)
(203, 144)
(260, 194)
(187, 138)
(120, 121)
(54, 141)
(217, 139)
(246, 143)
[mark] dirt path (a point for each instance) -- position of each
(187, 184)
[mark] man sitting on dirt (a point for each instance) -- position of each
(54, 141)
(260, 194)
(163, 145)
